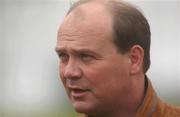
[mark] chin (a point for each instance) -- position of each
(83, 107)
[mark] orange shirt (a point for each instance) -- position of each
(152, 106)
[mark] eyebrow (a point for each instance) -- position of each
(83, 50)
(58, 50)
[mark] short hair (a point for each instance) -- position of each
(130, 27)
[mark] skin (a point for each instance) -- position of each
(100, 81)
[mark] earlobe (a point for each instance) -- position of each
(136, 55)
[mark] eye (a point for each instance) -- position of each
(86, 57)
(63, 57)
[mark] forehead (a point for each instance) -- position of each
(88, 26)
(88, 18)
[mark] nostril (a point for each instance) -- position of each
(72, 73)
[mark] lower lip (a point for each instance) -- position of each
(78, 94)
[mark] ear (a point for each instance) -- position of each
(136, 55)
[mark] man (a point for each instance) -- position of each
(103, 46)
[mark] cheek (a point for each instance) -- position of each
(102, 85)
(107, 78)
(99, 78)
(99, 75)
(94, 75)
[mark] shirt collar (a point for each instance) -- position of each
(149, 103)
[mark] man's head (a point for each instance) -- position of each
(129, 26)
(99, 75)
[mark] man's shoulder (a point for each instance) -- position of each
(152, 103)
(171, 110)
(164, 109)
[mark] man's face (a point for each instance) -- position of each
(94, 74)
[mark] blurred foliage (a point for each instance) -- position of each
(66, 112)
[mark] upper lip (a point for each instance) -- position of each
(77, 88)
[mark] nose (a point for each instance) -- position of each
(72, 70)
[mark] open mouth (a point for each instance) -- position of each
(78, 90)
(77, 93)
